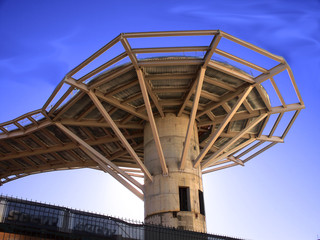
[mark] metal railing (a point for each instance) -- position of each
(22, 219)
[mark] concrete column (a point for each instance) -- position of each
(162, 203)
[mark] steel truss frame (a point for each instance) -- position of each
(223, 158)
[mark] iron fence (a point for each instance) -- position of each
(26, 220)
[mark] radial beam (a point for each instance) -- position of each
(222, 126)
(213, 158)
(232, 151)
(192, 118)
(117, 103)
(146, 100)
(187, 97)
(259, 152)
(100, 159)
(152, 122)
(220, 168)
(135, 63)
(227, 97)
(93, 123)
(119, 134)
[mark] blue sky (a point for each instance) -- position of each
(276, 196)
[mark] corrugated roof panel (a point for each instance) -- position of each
(219, 111)
(214, 89)
(97, 131)
(77, 108)
(221, 141)
(95, 114)
(170, 69)
(171, 83)
(232, 102)
(79, 132)
(59, 134)
(125, 94)
(171, 95)
(237, 126)
(22, 162)
(116, 82)
(137, 103)
(118, 115)
(3, 149)
(224, 78)
(256, 128)
(43, 138)
(30, 142)
(81, 154)
(17, 146)
(255, 100)
(35, 160)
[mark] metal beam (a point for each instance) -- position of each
(232, 151)
(259, 152)
(273, 71)
(170, 33)
(152, 122)
(94, 123)
(146, 100)
(275, 125)
(241, 61)
(100, 159)
(103, 66)
(119, 134)
(278, 92)
(294, 117)
(213, 45)
(107, 169)
(187, 97)
(227, 97)
(192, 118)
(252, 47)
(232, 72)
(116, 103)
(212, 158)
(169, 49)
(154, 98)
(172, 62)
(93, 56)
(104, 79)
(18, 133)
(215, 82)
(222, 126)
(288, 108)
(250, 149)
(220, 168)
(294, 84)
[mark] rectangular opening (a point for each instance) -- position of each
(184, 197)
(201, 203)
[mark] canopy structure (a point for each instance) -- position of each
(96, 116)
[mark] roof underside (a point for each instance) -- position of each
(36, 142)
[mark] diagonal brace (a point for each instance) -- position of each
(212, 159)
(100, 159)
(222, 126)
(152, 122)
(119, 134)
(192, 118)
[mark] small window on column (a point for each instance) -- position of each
(184, 197)
(201, 203)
